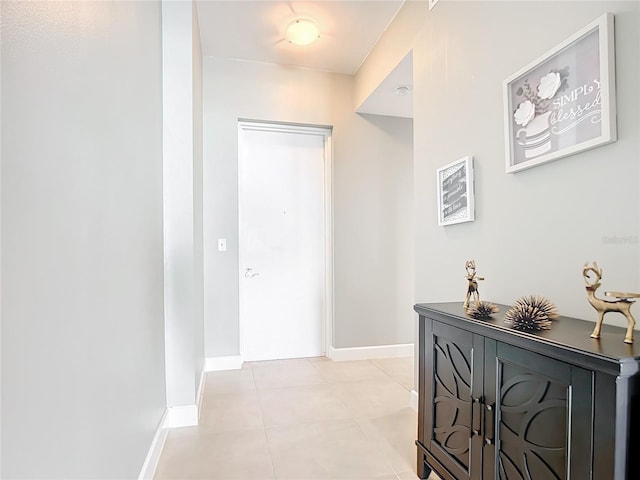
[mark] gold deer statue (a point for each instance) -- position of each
(472, 289)
(622, 304)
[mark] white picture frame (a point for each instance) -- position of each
(564, 101)
(455, 192)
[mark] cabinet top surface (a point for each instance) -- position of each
(565, 332)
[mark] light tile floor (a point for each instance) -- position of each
(302, 419)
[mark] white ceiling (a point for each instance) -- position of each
(254, 30)
(386, 100)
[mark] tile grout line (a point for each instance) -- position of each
(264, 427)
(374, 446)
(390, 376)
(332, 381)
(358, 421)
(352, 418)
(325, 383)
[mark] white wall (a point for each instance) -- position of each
(182, 164)
(534, 229)
(198, 246)
(82, 297)
(372, 199)
(373, 227)
(1, 22)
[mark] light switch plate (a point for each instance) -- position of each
(222, 244)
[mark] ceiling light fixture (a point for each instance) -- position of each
(302, 32)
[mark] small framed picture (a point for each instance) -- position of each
(563, 102)
(455, 192)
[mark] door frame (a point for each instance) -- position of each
(326, 132)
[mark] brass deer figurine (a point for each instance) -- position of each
(622, 304)
(472, 289)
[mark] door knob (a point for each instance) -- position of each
(249, 273)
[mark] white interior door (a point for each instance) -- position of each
(282, 241)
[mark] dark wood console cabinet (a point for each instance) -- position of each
(495, 403)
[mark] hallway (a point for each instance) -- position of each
(300, 419)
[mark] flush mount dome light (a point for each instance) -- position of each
(302, 32)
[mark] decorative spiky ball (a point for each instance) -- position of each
(482, 310)
(531, 314)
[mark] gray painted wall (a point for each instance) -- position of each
(82, 274)
(536, 228)
(373, 206)
(198, 248)
(372, 199)
(0, 243)
(182, 189)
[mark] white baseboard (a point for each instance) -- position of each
(155, 450)
(366, 353)
(230, 362)
(173, 417)
(414, 400)
(183, 416)
(186, 415)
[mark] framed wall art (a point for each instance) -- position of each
(563, 102)
(455, 192)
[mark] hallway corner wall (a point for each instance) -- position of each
(83, 385)
(182, 202)
(198, 233)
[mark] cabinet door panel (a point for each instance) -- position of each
(532, 425)
(535, 417)
(454, 383)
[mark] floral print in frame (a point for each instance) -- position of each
(564, 102)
